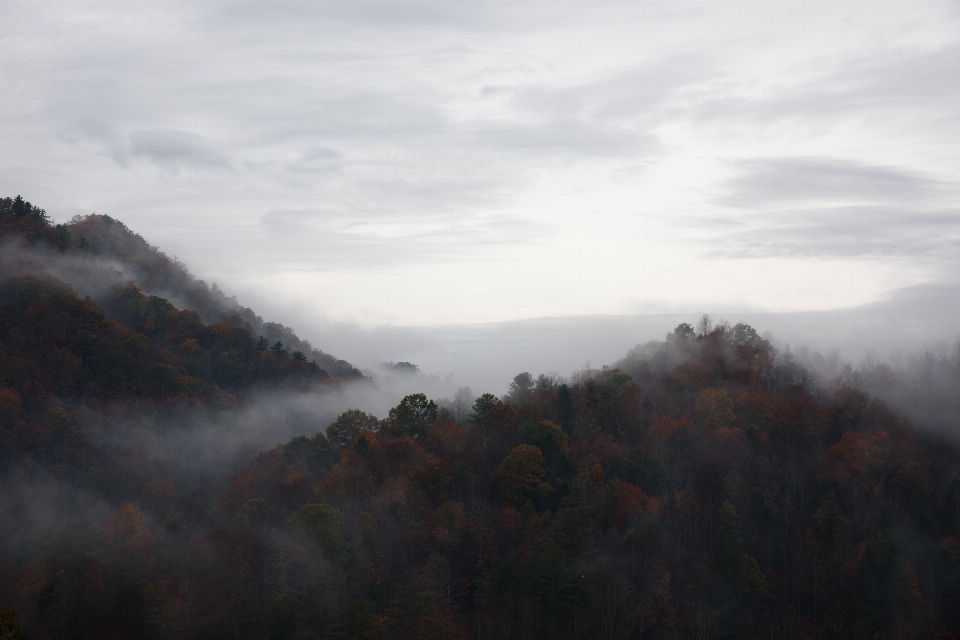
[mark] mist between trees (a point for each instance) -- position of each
(708, 485)
(168, 473)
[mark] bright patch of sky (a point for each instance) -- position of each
(424, 163)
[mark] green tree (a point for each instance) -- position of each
(520, 389)
(683, 333)
(566, 409)
(483, 406)
(64, 237)
(309, 450)
(551, 440)
(20, 207)
(743, 335)
(413, 416)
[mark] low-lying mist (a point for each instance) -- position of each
(164, 463)
(487, 355)
(197, 467)
(197, 451)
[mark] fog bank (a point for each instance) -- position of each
(487, 356)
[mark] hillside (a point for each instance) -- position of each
(705, 486)
(103, 259)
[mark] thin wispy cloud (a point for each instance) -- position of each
(824, 207)
(766, 182)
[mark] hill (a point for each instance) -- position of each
(704, 487)
(100, 257)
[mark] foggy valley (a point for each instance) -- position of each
(169, 473)
(422, 320)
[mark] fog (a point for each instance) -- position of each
(904, 350)
(487, 356)
(197, 450)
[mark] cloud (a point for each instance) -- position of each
(848, 232)
(351, 133)
(906, 82)
(764, 182)
(826, 207)
(387, 242)
(318, 160)
(169, 149)
(173, 150)
(388, 17)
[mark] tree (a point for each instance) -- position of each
(64, 237)
(743, 335)
(750, 579)
(277, 349)
(682, 333)
(704, 325)
(714, 408)
(551, 440)
(520, 389)
(309, 449)
(413, 607)
(20, 207)
(520, 476)
(566, 410)
(413, 416)
(299, 357)
(546, 382)
(460, 408)
(348, 425)
(262, 344)
(483, 406)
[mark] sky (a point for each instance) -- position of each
(403, 163)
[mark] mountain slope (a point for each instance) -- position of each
(703, 488)
(97, 255)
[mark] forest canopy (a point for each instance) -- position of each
(705, 486)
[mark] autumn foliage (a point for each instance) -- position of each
(702, 488)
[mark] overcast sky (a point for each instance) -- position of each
(426, 163)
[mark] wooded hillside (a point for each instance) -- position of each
(703, 488)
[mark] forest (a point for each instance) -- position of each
(708, 485)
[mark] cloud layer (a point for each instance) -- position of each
(430, 162)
